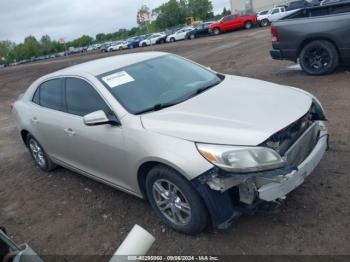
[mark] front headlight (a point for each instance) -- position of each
(241, 159)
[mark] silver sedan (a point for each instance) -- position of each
(201, 146)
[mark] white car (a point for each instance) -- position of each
(272, 15)
(179, 35)
(152, 40)
(118, 46)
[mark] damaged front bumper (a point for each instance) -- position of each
(226, 193)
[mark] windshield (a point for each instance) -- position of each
(165, 80)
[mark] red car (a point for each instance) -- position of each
(231, 22)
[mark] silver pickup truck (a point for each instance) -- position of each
(317, 37)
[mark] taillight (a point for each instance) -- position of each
(11, 106)
(274, 36)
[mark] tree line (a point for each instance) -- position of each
(167, 15)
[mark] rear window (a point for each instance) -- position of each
(51, 94)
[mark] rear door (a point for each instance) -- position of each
(48, 117)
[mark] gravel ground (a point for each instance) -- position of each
(65, 213)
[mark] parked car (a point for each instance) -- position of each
(199, 145)
(199, 31)
(153, 39)
(118, 46)
(104, 47)
(232, 22)
(179, 35)
(316, 38)
(134, 42)
(272, 15)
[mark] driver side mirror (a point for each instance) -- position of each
(98, 118)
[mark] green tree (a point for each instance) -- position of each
(46, 45)
(226, 12)
(31, 47)
(170, 14)
(5, 49)
(200, 9)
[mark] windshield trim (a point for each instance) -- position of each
(99, 78)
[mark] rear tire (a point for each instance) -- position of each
(318, 58)
(192, 36)
(248, 25)
(175, 200)
(41, 159)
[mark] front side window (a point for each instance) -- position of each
(163, 80)
(229, 18)
(82, 98)
(51, 94)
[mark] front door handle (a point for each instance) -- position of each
(69, 131)
(35, 120)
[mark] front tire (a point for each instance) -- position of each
(265, 22)
(175, 200)
(192, 36)
(216, 31)
(172, 40)
(319, 57)
(41, 159)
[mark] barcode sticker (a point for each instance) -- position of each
(117, 79)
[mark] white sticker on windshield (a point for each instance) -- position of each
(117, 79)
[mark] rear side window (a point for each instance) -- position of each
(51, 94)
(36, 97)
(82, 98)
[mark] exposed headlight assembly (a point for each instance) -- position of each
(241, 159)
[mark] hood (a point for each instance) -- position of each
(217, 23)
(238, 111)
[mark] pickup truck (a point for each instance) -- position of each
(232, 22)
(272, 15)
(318, 37)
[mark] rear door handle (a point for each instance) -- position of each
(69, 131)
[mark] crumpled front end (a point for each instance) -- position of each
(302, 144)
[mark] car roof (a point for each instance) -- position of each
(104, 65)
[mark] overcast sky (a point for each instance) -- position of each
(70, 19)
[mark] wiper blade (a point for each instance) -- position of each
(157, 107)
(160, 106)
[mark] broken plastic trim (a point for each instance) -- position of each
(220, 203)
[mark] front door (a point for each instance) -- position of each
(97, 150)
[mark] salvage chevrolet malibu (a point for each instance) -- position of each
(200, 146)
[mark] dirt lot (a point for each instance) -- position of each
(66, 213)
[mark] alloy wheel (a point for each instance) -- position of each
(37, 152)
(317, 58)
(171, 202)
